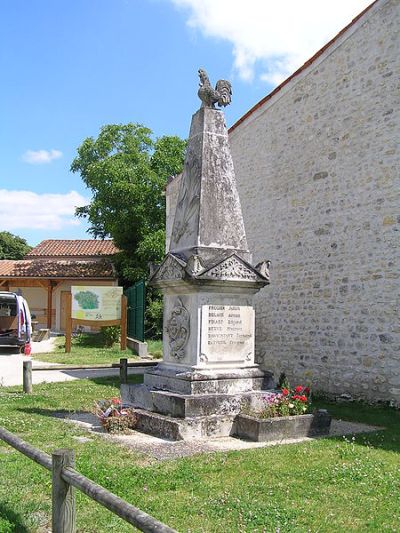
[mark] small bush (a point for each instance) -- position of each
(110, 335)
(154, 317)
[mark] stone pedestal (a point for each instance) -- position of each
(208, 370)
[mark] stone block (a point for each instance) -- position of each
(280, 428)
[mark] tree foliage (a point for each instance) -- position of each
(12, 246)
(126, 171)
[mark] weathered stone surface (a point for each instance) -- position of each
(227, 330)
(183, 406)
(205, 386)
(208, 215)
(280, 428)
(184, 428)
(221, 95)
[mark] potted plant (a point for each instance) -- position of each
(114, 417)
(282, 414)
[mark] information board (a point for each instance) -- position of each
(96, 303)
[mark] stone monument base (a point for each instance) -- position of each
(196, 404)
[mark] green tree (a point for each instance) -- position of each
(12, 246)
(126, 170)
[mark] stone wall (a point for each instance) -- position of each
(318, 176)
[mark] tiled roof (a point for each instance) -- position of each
(40, 268)
(306, 64)
(77, 248)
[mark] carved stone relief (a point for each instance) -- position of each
(178, 329)
(232, 268)
(170, 270)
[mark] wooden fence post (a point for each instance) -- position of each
(124, 318)
(68, 323)
(63, 494)
(123, 370)
(27, 377)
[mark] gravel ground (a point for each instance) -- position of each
(162, 449)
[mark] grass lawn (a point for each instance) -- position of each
(88, 349)
(337, 484)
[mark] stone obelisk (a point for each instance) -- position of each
(207, 281)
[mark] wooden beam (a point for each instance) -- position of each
(24, 282)
(95, 323)
(49, 304)
(68, 322)
(124, 317)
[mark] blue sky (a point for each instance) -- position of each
(70, 66)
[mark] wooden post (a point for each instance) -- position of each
(63, 494)
(49, 304)
(123, 371)
(68, 323)
(124, 318)
(27, 377)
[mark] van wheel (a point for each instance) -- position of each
(21, 350)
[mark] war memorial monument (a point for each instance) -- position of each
(208, 370)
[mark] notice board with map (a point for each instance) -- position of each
(96, 303)
(88, 305)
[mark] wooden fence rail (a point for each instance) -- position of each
(65, 477)
(123, 366)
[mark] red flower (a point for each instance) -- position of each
(307, 390)
(285, 392)
(295, 397)
(115, 401)
(303, 398)
(299, 388)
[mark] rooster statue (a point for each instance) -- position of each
(221, 95)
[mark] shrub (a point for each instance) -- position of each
(110, 335)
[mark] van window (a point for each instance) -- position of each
(8, 308)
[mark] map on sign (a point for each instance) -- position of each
(96, 303)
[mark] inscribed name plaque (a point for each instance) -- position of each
(96, 303)
(227, 334)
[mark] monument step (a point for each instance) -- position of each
(188, 406)
(166, 427)
(207, 386)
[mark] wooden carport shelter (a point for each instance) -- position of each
(49, 285)
(52, 276)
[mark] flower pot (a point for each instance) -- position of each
(285, 427)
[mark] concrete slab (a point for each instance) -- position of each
(163, 449)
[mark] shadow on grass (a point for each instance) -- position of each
(388, 418)
(11, 522)
(114, 380)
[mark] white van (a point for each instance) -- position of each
(15, 322)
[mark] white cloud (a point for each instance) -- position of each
(30, 210)
(38, 157)
(274, 36)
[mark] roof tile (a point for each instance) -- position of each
(77, 248)
(38, 268)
